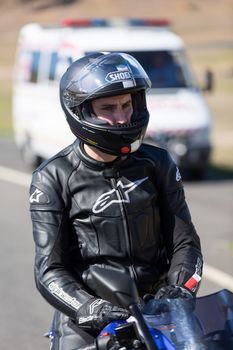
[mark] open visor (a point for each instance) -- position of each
(102, 76)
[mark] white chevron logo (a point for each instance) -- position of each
(109, 198)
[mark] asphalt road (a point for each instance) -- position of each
(24, 315)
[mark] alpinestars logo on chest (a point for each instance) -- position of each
(109, 198)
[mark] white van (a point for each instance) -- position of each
(179, 117)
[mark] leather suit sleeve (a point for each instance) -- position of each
(52, 239)
(180, 237)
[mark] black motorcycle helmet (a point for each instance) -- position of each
(100, 75)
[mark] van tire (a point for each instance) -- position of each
(29, 157)
(198, 173)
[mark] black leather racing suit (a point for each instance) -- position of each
(124, 214)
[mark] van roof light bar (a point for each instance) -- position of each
(99, 22)
(147, 22)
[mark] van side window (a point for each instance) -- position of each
(35, 66)
(53, 64)
(58, 65)
(27, 66)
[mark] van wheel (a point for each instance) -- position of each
(198, 173)
(31, 159)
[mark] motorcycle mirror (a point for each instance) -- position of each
(120, 289)
(114, 286)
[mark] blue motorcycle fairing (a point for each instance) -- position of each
(159, 338)
(110, 328)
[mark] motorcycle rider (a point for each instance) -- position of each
(108, 200)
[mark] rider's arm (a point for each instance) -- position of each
(53, 241)
(180, 237)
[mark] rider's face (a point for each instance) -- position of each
(114, 109)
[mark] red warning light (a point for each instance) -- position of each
(125, 150)
(105, 334)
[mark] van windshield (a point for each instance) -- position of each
(166, 69)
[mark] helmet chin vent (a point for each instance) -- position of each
(125, 125)
(128, 125)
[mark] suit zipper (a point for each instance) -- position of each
(125, 226)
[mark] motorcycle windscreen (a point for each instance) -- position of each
(182, 320)
(215, 311)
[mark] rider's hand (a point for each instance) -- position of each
(173, 292)
(95, 314)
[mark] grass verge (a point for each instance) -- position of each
(5, 112)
